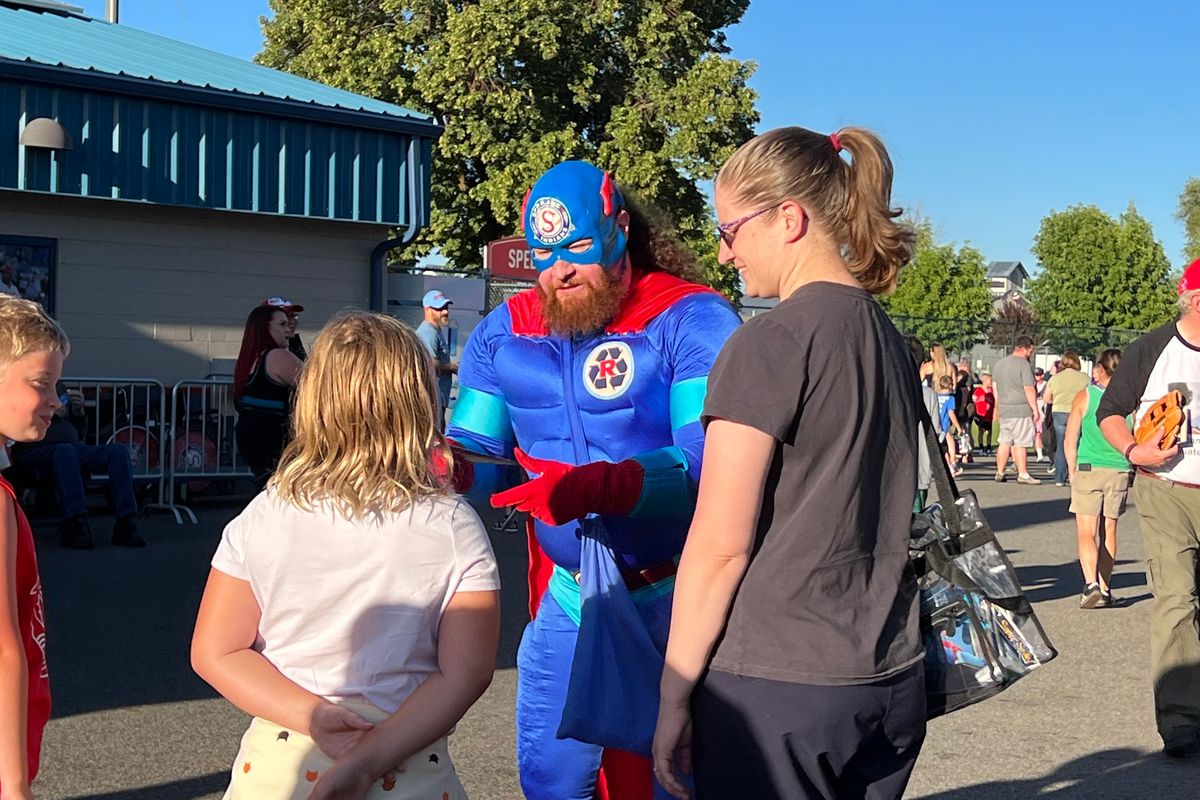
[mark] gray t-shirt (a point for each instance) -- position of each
(432, 339)
(1010, 376)
(829, 596)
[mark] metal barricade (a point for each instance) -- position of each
(203, 443)
(131, 412)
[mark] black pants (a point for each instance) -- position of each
(261, 437)
(763, 739)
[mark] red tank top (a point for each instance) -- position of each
(31, 616)
(984, 401)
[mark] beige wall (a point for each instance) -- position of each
(156, 291)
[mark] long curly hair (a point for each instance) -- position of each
(653, 244)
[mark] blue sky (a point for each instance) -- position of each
(993, 119)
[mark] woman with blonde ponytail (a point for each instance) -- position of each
(794, 662)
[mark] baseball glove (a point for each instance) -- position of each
(1166, 412)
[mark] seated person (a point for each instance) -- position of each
(63, 456)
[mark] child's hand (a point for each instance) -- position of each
(345, 780)
(336, 729)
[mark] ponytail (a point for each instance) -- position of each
(877, 245)
(1109, 360)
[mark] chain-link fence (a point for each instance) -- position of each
(498, 292)
(982, 342)
(965, 335)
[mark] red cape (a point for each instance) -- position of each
(623, 776)
(650, 294)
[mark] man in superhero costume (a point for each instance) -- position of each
(595, 379)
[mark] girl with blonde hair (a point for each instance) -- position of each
(353, 607)
(793, 665)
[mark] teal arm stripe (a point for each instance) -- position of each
(565, 589)
(482, 413)
(665, 490)
(687, 401)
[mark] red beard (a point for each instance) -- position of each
(585, 311)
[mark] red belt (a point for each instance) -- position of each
(641, 578)
(1158, 477)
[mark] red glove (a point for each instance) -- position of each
(562, 493)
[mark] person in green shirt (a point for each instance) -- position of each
(1099, 485)
(1060, 393)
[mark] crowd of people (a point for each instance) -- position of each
(721, 598)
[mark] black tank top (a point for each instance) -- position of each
(261, 393)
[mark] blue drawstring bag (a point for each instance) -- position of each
(612, 695)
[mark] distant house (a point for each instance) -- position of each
(1005, 277)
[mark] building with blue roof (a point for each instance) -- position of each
(152, 191)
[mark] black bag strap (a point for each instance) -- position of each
(947, 490)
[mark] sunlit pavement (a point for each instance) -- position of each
(132, 721)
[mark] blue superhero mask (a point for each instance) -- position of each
(570, 202)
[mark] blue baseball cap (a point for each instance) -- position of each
(435, 299)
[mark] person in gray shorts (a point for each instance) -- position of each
(1016, 406)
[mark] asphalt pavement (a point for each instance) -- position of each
(132, 721)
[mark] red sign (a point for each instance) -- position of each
(509, 259)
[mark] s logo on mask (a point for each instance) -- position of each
(550, 220)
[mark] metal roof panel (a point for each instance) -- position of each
(80, 43)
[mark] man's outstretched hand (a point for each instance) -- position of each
(561, 492)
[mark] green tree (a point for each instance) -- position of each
(1139, 288)
(1189, 215)
(646, 90)
(943, 293)
(1098, 273)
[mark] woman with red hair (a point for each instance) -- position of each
(263, 380)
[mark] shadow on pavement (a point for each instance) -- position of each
(1116, 773)
(186, 789)
(1055, 581)
(1026, 515)
(119, 621)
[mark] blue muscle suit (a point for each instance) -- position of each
(629, 395)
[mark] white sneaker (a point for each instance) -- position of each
(1041, 458)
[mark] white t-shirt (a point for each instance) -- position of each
(350, 609)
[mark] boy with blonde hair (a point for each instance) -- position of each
(32, 349)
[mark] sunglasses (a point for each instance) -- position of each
(727, 231)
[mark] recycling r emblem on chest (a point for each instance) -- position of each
(608, 370)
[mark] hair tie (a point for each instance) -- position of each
(836, 142)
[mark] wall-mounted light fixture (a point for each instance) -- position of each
(46, 134)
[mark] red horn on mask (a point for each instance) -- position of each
(525, 207)
(606, 194)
